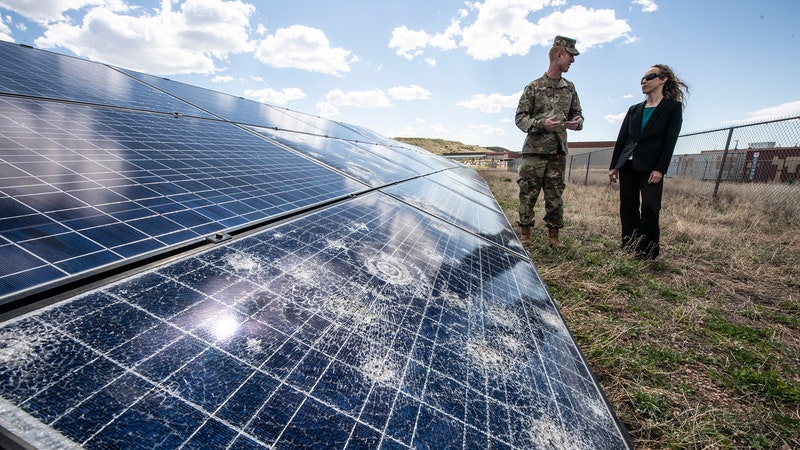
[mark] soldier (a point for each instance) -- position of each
(547, 108)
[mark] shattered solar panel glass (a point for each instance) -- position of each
(84, 187)
(48, 75)
(368, 324)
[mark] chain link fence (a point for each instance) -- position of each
(758, 162)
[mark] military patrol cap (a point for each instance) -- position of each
(567, 43)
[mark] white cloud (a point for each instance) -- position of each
(647, 5)
(271, 96)
(222, 79)
(775, 112)
(303, 48)
(184, 41)
(215, 26)
(359, 99)
(492, 103)
(614, 119)
(45, 12)
(412, 92)
(411, 43)
(430, 61)
(502, 27)
(591, 27)
(5, 32)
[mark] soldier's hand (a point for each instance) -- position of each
(613, 174)
(574, 123)
(552, 124)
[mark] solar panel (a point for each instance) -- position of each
(245, 111)
(259, 278)
(85, 187)
(53, 76)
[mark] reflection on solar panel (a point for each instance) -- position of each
(247, 285)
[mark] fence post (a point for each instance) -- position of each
(588, 164)
(722, 165)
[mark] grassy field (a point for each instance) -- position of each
(699, 349)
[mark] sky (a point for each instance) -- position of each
(443, 69)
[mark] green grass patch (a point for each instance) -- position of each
(652, 406)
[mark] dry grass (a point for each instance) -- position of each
(700, 348)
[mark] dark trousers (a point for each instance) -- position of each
(640, 230)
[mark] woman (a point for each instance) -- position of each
(642, 155)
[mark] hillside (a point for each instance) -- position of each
(441, 146)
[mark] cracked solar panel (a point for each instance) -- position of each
(368, 324)
(386, 303)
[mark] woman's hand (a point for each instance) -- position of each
(655, 177)
(613, 175)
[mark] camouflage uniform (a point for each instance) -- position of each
(544, 155)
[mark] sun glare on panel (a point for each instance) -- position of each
(224, 327)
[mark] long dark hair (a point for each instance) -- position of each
(674, 88)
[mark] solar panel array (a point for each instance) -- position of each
(371, 295)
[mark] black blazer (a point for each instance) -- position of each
(652, 147)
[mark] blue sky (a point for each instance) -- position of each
(439, 68)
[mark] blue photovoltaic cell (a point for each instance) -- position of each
(38, 73)
(368, 324)
(83, 187)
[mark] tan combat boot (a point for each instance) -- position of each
(554, 242)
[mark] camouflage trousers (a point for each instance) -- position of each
(537, 173)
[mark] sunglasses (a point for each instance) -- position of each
(651, 76)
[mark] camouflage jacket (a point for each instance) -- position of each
(544, 98)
